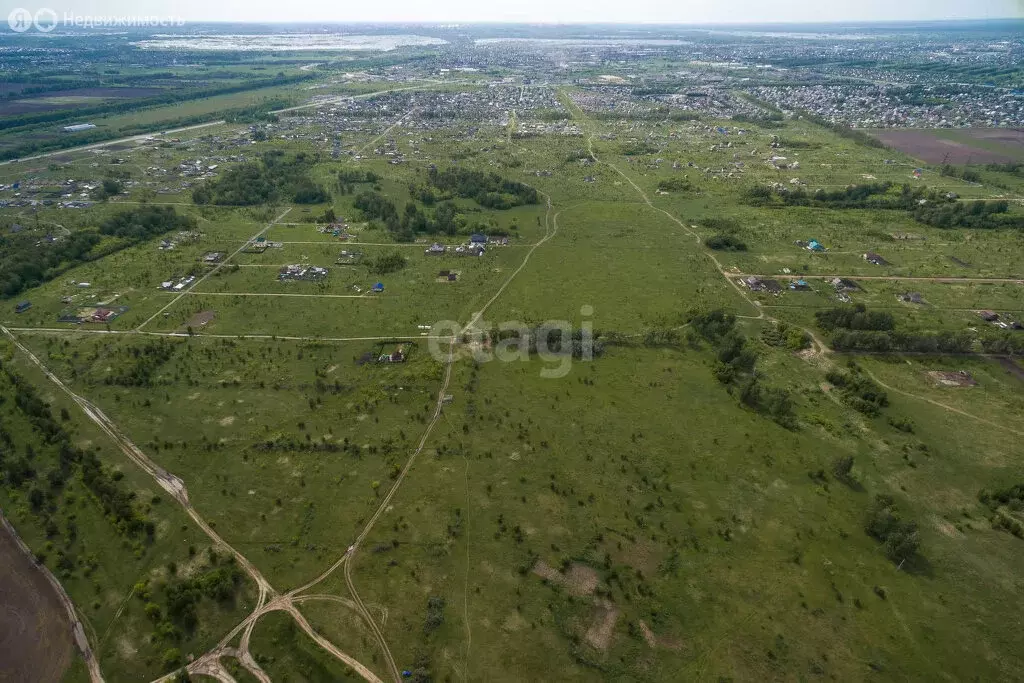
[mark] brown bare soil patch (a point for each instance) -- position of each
(993, 145)
(654, 641)
(947, 528)
(602, 626)
(35, 636)
(578, 580)
(952, 379)
(648, 635)
(1013, 367)
(200, 319)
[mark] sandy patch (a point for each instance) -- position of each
(578, 580)
(947, 528)
(513, 622)
(227, 421)
(602, 627)
(648, 635)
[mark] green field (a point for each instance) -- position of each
(644, 514)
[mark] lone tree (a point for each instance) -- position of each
(842, 466)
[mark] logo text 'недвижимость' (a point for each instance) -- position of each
(45, 20)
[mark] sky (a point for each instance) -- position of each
(538, 11)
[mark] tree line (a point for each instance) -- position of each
(26, 261)
(854, 328)
(931, 207)
(118, 502)
(734, 367)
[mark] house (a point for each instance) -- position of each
(988, 316)
(771, 286)
(23, 306)
(911, 298)
(102, 315)
(396, 356)
(477, 238)
(799, 285)
(872, 257)
(754, 283)
(844, 285)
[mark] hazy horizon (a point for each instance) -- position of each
(691, 12)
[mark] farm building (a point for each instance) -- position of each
(301, 272)
(79, 127)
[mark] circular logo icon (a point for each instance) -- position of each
(20, 19)
(45, 20)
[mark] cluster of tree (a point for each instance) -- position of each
(638, 148)
(487, 189)
(884, 341)
(389, 262)
(435, 614)
(855, 317)
(735, 367)
(117, 501)
(413, 220)
(900, 538)
(1012, 167)
(1005, 344)
(725, 243)
(783, 335)
(675, 185)
(26, 261)
(138, 367)
(443, 220)
(976, 214)
(577, 344)
(858, 391)
(146, 221)
(347, 179)
(274, 177)
(968, 174)
(376, 206)
(110, 187)
(1006, 506)
(930, 207)
(175, 616)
